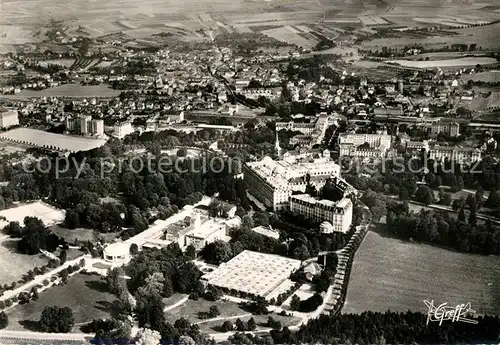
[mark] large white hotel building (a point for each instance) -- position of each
(338, 214)
(273, 182)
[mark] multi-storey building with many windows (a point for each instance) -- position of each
(449, 127)
(364, 145)
(306, 128)
(338, 214)
(272, 182)
(456, 154)
(85, 125)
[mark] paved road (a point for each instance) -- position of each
(45, 336)
(175, 305)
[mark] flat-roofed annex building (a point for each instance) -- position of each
(252, 274)
(51, 141)
(338, 214)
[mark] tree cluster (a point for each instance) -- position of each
(441, 229)
(57, 320)
(308, 305)
(34, 236)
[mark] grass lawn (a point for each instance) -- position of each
(418, 208)
(175, 298)
(101, 266)
(13, 265)
(85, 294)
(190, 310)
(388, 273)
(70, 235)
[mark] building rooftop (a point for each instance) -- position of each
(266, 232)
(309, 199)
(47, 214)
(117, 249)
(205, 228)
(52, 141)
(253, 273)
(281, 173)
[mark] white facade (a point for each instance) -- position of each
(374, 140)
(304, 128)
(378, 145)
(455, 154)
(117, 253)
(450, 128)
(338, 214)
(9, 118)
(272, 182)
(266, 232)
(98, 127)
(271, 93)
(205, 232)
(122, 130)
(85, 125)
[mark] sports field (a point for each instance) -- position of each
(392, 274)
(47, 214)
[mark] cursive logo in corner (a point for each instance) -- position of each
(444, 312)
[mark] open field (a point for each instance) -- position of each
(290, 35)
(484, 36)
(462, 62)
(13, 265)
(46, 213)
(451, 22)
(392, 274)
(69, 90)
(486, 77)
(85, 294)
(70, 235)
(28, 21)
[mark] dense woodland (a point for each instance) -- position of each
(442, 229)
(464, 233)
(389, 328)
(134, 195)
